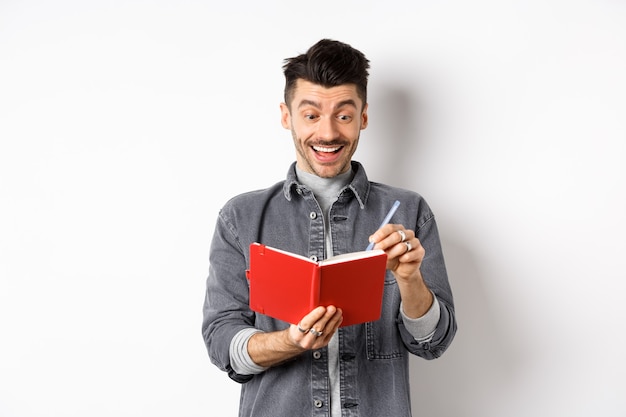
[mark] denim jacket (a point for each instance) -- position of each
(373, 356)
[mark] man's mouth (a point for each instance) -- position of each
(326, 149)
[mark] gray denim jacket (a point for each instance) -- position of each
(373, 356)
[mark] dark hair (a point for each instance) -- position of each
(328, 63)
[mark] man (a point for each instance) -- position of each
(325, 207)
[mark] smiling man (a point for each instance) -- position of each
(325, 124)
(327, 206)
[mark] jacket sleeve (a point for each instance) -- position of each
(435, 275)
(225, 310)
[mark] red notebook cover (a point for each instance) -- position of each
(287, 286)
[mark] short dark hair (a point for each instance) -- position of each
(328, 63)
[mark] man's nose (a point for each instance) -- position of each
(327, 129)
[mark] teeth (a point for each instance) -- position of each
(322, 149)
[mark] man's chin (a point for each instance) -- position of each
(329, 170)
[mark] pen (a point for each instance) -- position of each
(387, 218)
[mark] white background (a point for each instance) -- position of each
(125, 125)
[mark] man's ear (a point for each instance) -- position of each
(364, 117)
(285, 116)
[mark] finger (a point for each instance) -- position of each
(392, 234)
(379, 235)
(314, 323)
(411, 251)
(330, 328)
(404, 252)
(310, 319)
(317, 329)
(335, 321)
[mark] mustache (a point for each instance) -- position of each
(329, 143)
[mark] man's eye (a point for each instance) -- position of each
(345, 117)
(310, 116)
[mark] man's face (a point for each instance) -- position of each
(325, 124)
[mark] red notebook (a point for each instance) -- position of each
(287, 286)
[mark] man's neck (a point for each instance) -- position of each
(326, 190)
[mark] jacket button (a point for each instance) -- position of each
(313, 215)
(318, 403)
(317, 354)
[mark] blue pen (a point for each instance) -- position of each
(387, 218)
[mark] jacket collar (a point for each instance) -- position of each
(359, 185)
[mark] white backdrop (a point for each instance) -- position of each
(125, 125)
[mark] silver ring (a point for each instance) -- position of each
(408, 246)
(301, 329)
(402, 235)
(315, 332)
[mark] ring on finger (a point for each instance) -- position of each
(301, 329)
(315, 332)
(402, 235)
(408, 246)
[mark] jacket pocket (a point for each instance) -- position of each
(383, 337)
